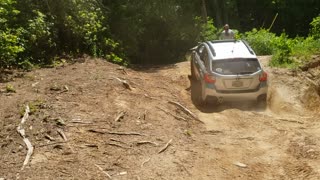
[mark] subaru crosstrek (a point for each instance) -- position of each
(228, 70)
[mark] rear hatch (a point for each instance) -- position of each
(239, 74)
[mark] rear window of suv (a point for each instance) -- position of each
(235, 66)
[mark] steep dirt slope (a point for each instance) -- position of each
(84, 99)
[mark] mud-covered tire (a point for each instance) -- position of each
(193, 76)
(262, 102)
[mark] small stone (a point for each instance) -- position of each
(239, 164)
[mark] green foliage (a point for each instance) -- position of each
(282, 51)
(315, 27)
(207, 30)
(260, 41)
(10, 88)
(304, 48)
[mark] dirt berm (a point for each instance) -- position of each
(96, 120)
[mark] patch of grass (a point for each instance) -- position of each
(10, 88)
(55, 87)
(34, 106)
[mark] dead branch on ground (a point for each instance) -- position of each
(289, 120)
(49, 144)
(185, 110)
(22, 133)
(104, 172)
(49, 137)
(175, 116)
(120, 116)
(118, 145)
(115, 133)
(146, 142)
(145, 162)
(165, 147)
(61, 133)
(124, 83)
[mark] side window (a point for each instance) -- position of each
(202, 51)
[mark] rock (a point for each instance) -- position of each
(239, 164)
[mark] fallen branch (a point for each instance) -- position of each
(104, 172)
(185, 110)
(61, 133)
(175, 116)
(118, 145)
(145, 162)
(122, 69)
(124, 83)
(49, 137)
(165, 147)
(77, 121)
(116, 140)
(120, 116)
(146, 142)
(292, 121)
(49, 144)
(21, 131)
(116, 133)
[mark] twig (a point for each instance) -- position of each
(120, 116)
(116, 140)
(146, 142)
(185, 110)
(76, 121)
(145, 115)
(49, 144)
(165, 147)
(49, 137)
(61, 133)
(21, 131)
(124, 83)
(118, 145)
(104, 172)
(175, 116)
(116, 133)
(145, 162)
(122, 69)
(293, 121)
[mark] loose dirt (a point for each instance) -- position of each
(84, 100)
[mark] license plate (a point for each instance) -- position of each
(237, 83)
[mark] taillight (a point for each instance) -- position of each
(263, 77)
(209, 79)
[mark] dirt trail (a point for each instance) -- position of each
(236, 141)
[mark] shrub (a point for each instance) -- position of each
(207, 30)
(315, 27)
(282, 50)
(260, 41)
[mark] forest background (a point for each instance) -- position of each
(45, 33)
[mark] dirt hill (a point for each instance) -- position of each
(96, 120)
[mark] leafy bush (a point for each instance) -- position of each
(304, 48)
(315, 27)
(260, 41)
(282, 50)
(207, 30)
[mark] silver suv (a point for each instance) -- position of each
(228, 70)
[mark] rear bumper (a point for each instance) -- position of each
(236, 95)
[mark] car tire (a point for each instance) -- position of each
(262, 102)
(193, 75)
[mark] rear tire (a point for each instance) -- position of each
(262, 102)
(193, 76)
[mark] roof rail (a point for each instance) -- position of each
(249, 48)
(211, 48)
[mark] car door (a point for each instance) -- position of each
(200, 59)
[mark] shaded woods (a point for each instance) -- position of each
(39, 33)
